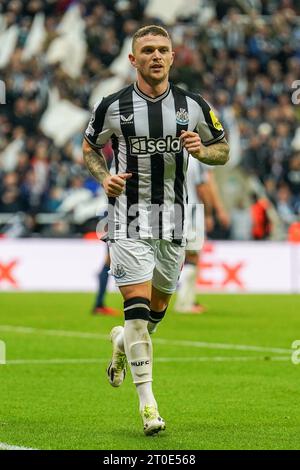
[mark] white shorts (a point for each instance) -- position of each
(137, 261)
(195, 229)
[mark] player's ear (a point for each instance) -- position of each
(173, 55)
(132, 60)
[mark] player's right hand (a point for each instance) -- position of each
(114, 185)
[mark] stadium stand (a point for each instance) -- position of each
(57, 58)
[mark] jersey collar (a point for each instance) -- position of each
(148, 98)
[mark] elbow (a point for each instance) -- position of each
(84, 156)
(85, 146)
(225, 158)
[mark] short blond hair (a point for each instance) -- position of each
(151, 29)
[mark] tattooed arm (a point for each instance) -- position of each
(96, 164)
(215, 154)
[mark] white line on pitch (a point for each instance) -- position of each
(4, 446)
(204, 344)
(55, 361)
(67, 333)
(157, 359)
(195, 344)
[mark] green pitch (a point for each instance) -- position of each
(223, 380)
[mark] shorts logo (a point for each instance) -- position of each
(182, 117)
(119, 271)
(148, 146)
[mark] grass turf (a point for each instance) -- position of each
(212, 397)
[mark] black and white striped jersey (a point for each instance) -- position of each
(145, 136)
(197, 173)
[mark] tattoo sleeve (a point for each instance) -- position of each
(95, 162)
(215, 154)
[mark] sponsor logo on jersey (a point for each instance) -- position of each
(149, 146)
(119, 271)
(127, 120)
(216, 123)
(182, 117)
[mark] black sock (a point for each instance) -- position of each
(156, 317)
(137, 308)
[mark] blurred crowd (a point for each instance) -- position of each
(244, 57)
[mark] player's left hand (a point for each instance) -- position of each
(191, 142)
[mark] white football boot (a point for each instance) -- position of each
(116, 370)
(153, 423)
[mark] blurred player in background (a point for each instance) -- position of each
(202, 188)
(100, 307)
(198, 193)
(152, 126)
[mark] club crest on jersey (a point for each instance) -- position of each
(182, 117)
(127, 120)
(119, 271)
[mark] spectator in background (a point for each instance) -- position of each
(261, 226)
(291, 174)
(59, 229)
(53, 200)
(10, 200)
(285, 206)
(241, 222)
(22, 225)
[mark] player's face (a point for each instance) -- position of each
(152, 57)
